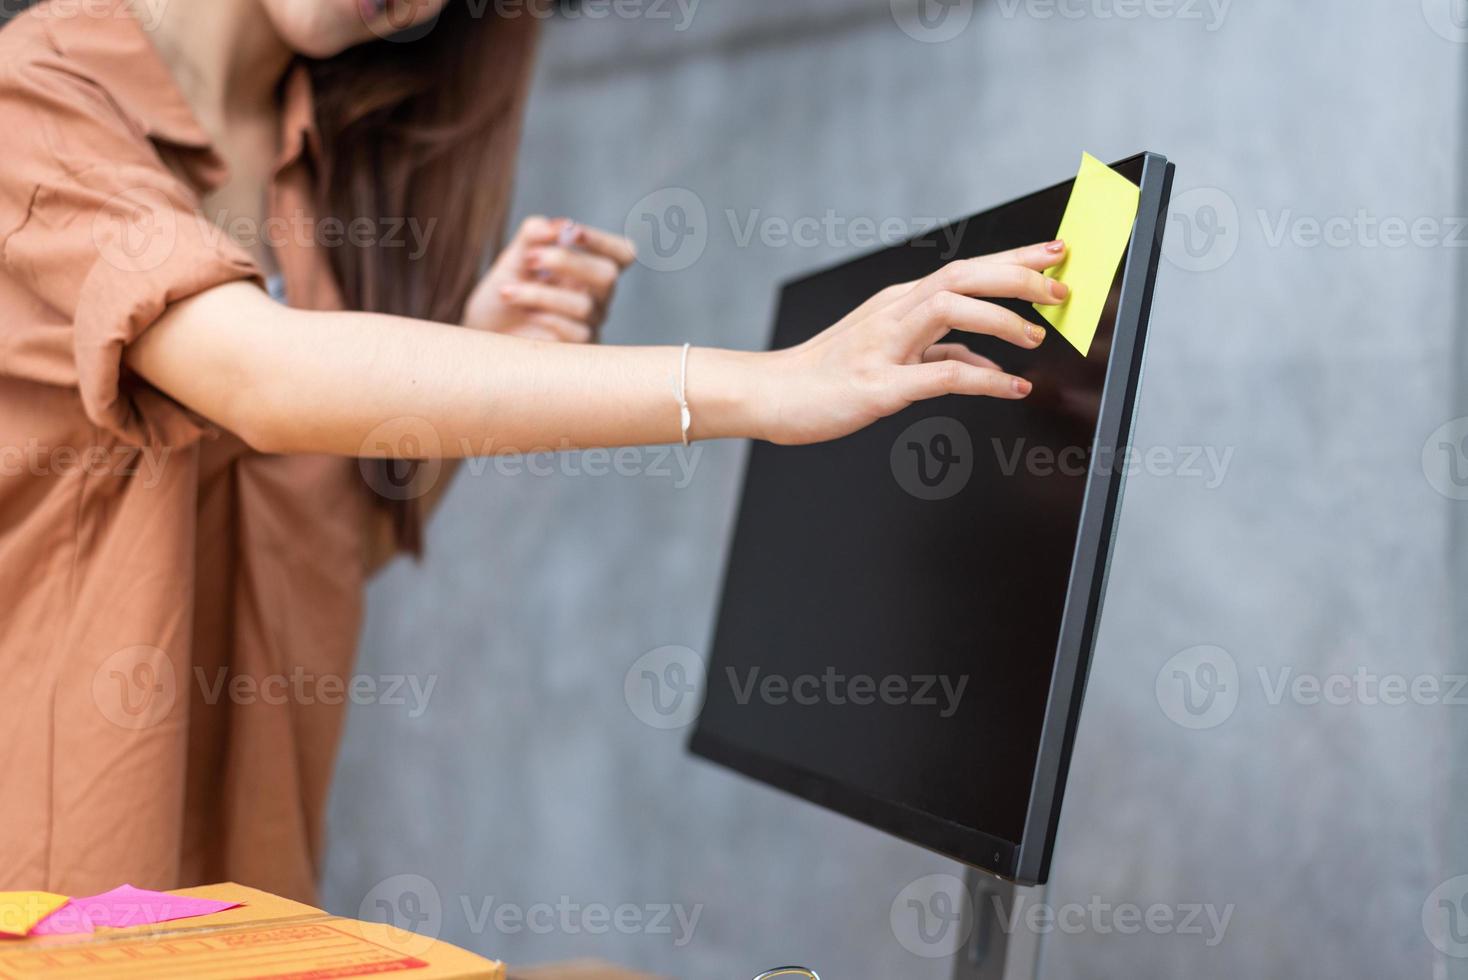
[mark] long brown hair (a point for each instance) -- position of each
(423, 129)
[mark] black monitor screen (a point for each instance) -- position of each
(893, 599)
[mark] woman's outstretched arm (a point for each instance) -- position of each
(289, 380)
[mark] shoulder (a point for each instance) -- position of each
(30, 51)
(69, 141)
(48, 88)
(24, 34)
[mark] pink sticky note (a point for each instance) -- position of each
(124, 906)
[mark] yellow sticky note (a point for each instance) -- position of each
(1096, 228)
(20, 911)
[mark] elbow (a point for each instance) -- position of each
(260, 437)
(277, 417)
(225, 354)
(259, 433)
(259, 421)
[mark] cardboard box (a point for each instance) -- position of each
(268, 938)
(577, 970)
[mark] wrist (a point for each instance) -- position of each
(729, 393)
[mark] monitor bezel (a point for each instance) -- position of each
(1026, 861)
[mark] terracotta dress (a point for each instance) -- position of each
(177, 612)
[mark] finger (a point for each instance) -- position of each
(958, 352)
(541, 297)
(1040, 256)
(539, 230)
(562, 328)
(529, 331)
(884, 297)
(922, 381)
(596, 272)
(974, 277)
(945, 311)
(620, 250)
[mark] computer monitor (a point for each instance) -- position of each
(908, 612)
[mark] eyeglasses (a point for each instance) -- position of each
(788, 971)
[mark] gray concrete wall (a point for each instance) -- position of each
(1319, 829)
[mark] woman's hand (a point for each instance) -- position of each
(886, 354)
(553, 281)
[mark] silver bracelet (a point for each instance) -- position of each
(680, 390)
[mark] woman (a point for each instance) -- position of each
(184, 524)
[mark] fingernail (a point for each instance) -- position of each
(1035, 333)
(1059, 289)
(570, 234)
(1021, 386)
(1055, 247)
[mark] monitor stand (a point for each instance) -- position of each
(994, 951)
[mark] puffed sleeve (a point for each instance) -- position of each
(97, 228)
